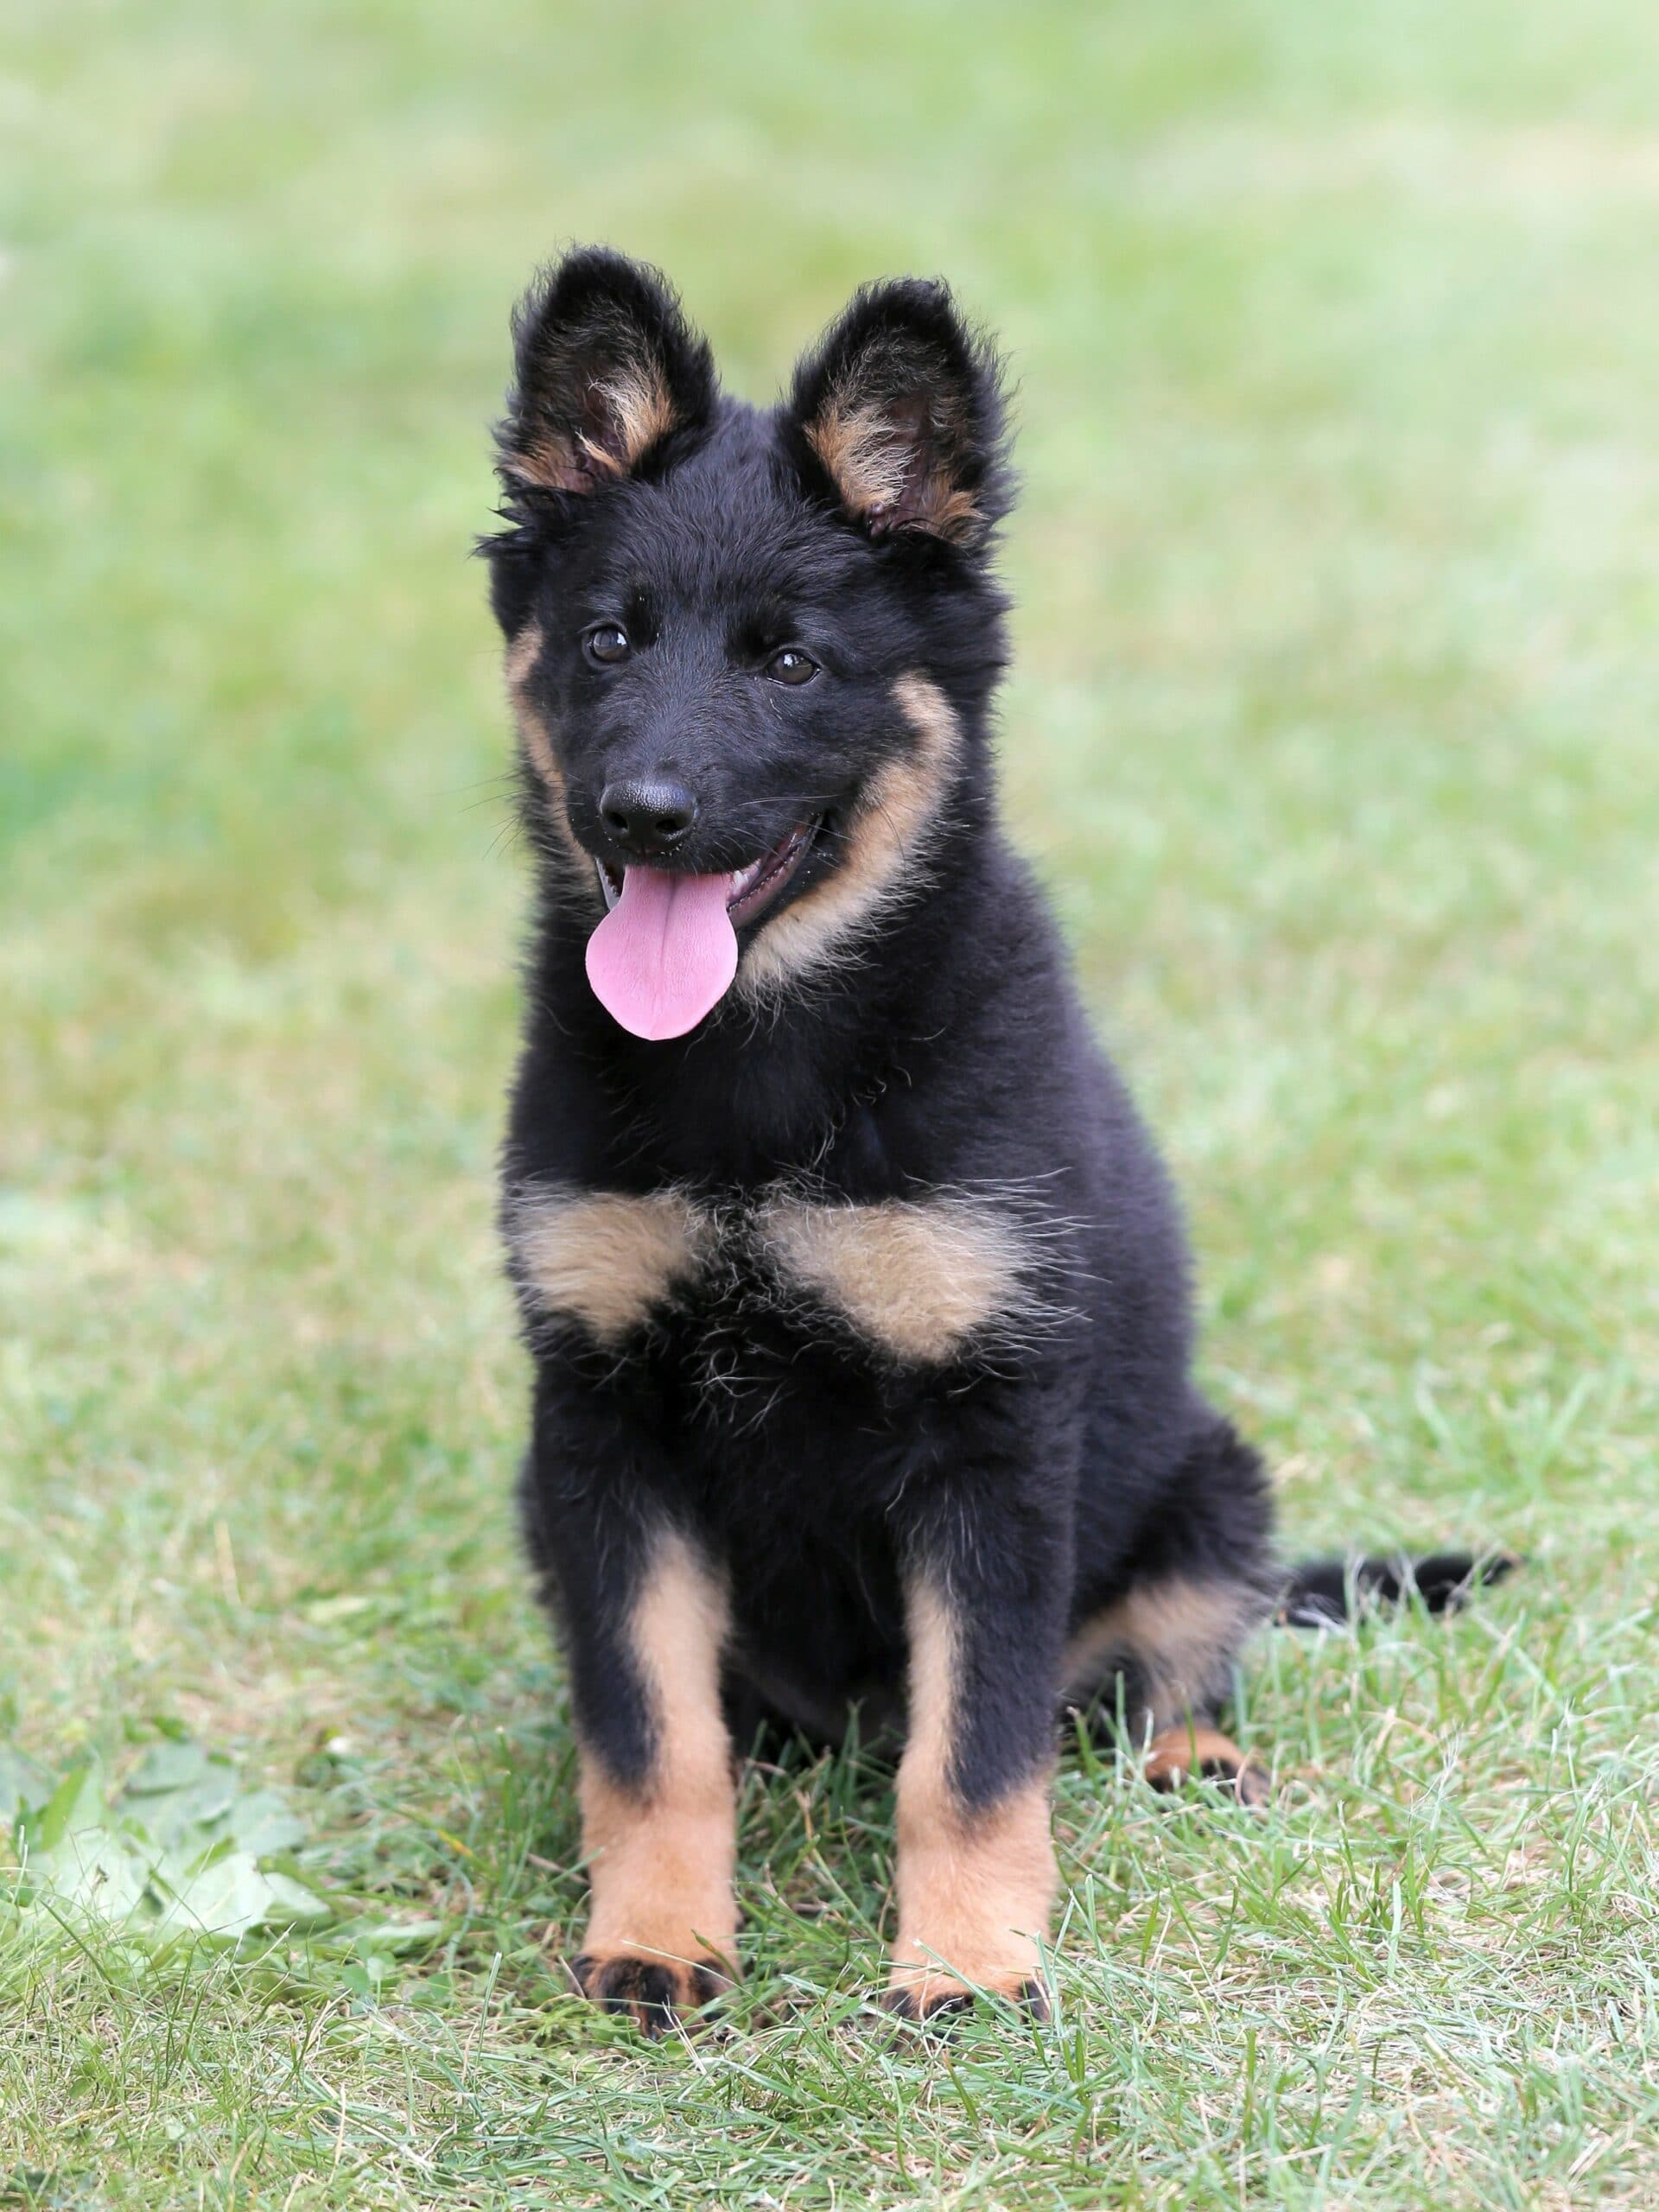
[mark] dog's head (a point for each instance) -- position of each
(745, 647)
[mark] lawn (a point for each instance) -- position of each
(1335, 730)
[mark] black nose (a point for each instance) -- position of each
(647, 814)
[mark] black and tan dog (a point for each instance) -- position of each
(857, 1297)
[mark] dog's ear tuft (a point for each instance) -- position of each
(900, 414)
(606, 367)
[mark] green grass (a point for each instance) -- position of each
(1333, 730)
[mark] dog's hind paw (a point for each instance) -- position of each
(655, 1993)
(1176, 1755)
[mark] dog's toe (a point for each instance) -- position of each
(940, 2001)
(1250, 1783)
(656, 1994)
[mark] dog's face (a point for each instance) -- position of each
(741, 644)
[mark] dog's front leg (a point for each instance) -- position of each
(976, 1862)
(658, 1808)
(643, 1616)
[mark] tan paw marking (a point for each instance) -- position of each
(1179, 1754)
(932, 1997)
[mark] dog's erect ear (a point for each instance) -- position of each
(606, 367)
(899, 407)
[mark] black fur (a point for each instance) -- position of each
(1048, 1466)
(1321, 1593)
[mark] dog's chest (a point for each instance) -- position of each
(916, 1283)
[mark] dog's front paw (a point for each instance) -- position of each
(655, 1993)
(934, 1999)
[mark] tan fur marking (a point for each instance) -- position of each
(641, 411)
(521, 658)
(605, 1258)
(883, 842)
(916, 1277)
(550, 463)
(975, 1887)
(1180, 1633)
(661, 1858)
(867, 457)
(1175, 1753)
(533, 730)
(870, 456)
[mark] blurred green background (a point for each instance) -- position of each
(1336, 337)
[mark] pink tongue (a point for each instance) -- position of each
(665, 952)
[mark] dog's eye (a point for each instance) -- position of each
(607, 643)
(791, 666)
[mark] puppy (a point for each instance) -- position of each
(856, 1294)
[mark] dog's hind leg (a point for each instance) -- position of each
(1164, 1650)
(1159, 1645)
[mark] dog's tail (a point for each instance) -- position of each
(1322, 1593)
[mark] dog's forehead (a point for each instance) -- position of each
(728, 525)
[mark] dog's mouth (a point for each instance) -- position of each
(751, 890)
(666, 951)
